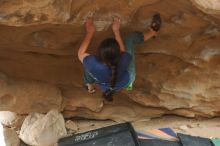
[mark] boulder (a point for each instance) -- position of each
(8, 118)
(8, 137)
(43, 130)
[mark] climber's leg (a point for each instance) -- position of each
(89, 82)
(138, 37)
(130, 41)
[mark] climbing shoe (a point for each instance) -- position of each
(156, 22)
(90, 88)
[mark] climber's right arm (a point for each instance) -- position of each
(90, 28)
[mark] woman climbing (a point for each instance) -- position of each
(113, 67)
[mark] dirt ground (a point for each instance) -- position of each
(209, 128)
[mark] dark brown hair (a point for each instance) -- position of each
(109, 53)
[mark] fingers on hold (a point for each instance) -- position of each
(89, 19)
(116, 19)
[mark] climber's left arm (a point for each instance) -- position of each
(116, 30)
(90, 28)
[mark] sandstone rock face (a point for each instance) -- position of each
(43, 130)
(209, 6)
(177, 73)
(24, 96)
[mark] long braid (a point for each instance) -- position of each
(114, 76)
(108, 95)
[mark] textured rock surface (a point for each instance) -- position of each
(23, 96)
(11, 119)
(208, 6)
(43, 130)
(8, 118)
(8, 137)
(177, 73)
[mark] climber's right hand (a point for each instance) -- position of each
(116, 24)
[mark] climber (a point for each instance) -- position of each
(113, 68)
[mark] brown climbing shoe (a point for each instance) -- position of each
(156, 22)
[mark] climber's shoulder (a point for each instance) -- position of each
(83, 56)
(91, 61)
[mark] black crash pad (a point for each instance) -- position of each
(188, 140)
(116, 135)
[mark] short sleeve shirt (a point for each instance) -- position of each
(102, 73)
